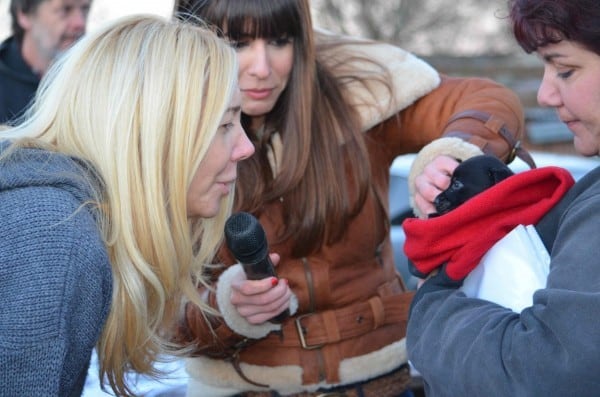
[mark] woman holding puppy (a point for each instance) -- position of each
(465, 346)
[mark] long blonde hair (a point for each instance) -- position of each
(140, 100)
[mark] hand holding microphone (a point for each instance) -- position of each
(247, 241)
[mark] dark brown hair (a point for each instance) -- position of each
(536, 23)
(322, 141)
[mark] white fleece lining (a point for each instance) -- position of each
(411, 77)
(217, 378)
(230, 313)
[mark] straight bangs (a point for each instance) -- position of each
(265, 19)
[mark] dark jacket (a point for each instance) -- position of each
(18, 82)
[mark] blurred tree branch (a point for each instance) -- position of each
(422, 26)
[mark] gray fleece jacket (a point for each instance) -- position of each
(55, 277)
(470, 347)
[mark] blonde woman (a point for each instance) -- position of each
(114, 190)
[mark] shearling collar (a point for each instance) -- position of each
(409, 76)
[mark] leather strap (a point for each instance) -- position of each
(235, 362)
(314, 330)
(498, 126)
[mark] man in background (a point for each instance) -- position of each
(41, 30)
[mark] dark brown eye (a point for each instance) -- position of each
(457, 185)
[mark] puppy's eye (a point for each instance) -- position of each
(457, 185)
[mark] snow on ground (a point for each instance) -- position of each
(173, 385)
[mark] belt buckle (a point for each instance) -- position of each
(300, 330)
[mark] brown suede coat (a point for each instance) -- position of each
(354, 302)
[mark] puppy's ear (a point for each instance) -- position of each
(499, 174)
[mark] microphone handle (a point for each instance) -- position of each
(263, 269)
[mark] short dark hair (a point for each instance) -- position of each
(536, 23)
(26, 7)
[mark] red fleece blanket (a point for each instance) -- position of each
(461, 237)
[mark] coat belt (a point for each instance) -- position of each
(314, 330)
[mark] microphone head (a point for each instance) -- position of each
(245, 238)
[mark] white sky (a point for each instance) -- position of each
(102, 11)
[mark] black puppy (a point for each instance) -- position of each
(471, 177)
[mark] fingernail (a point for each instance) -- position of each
(274, 281)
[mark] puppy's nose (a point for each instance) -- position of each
(442, 204)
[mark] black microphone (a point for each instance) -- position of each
(247, 241)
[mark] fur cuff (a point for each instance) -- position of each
(450, 146)
(231, 315)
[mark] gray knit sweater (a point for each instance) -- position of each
(55, 277)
